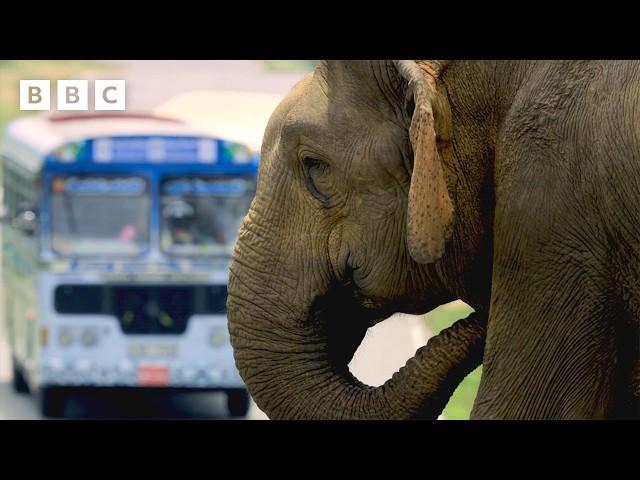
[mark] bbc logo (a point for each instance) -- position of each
(72, 95)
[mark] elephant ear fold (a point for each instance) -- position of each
(430, 210)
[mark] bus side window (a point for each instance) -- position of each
(20, 194)
(8, 189)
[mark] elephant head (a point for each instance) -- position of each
(356, 217)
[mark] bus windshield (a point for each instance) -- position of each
(100, 215)
(202, 215)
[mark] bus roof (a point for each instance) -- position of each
(31, 138)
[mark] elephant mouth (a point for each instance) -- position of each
(344, 317)
(343, 322)
(294, 351)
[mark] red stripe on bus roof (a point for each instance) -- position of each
(122, 116)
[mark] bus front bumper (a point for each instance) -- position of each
(86, 373)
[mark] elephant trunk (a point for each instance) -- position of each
(295, 368)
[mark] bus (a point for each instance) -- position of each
(117, 233)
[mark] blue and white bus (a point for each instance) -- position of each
(117, 235)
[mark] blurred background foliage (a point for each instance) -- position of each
(289, 65)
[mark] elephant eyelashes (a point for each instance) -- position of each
(314, 169)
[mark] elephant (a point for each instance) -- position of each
(401, 185)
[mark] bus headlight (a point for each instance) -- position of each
(218, 337)
(89, 338)
(65, 337)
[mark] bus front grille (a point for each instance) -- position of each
(143, 309)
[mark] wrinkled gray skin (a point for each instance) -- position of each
(398, 186)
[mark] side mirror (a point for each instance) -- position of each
(26, 221)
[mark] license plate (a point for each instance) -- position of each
(153, 375)
(152, 350)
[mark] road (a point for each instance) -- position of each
(386, 347)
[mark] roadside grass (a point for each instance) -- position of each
(461, 402)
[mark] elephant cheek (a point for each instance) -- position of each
(339, 248)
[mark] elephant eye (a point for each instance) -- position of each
(314, 171)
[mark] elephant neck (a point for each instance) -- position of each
(479, 95)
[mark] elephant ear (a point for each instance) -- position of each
(430, 210)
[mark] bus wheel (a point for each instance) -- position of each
(52, 402)
(238, 402)
(18, 381)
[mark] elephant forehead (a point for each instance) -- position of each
(345, 132)
(339, 107)
(364, 142)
